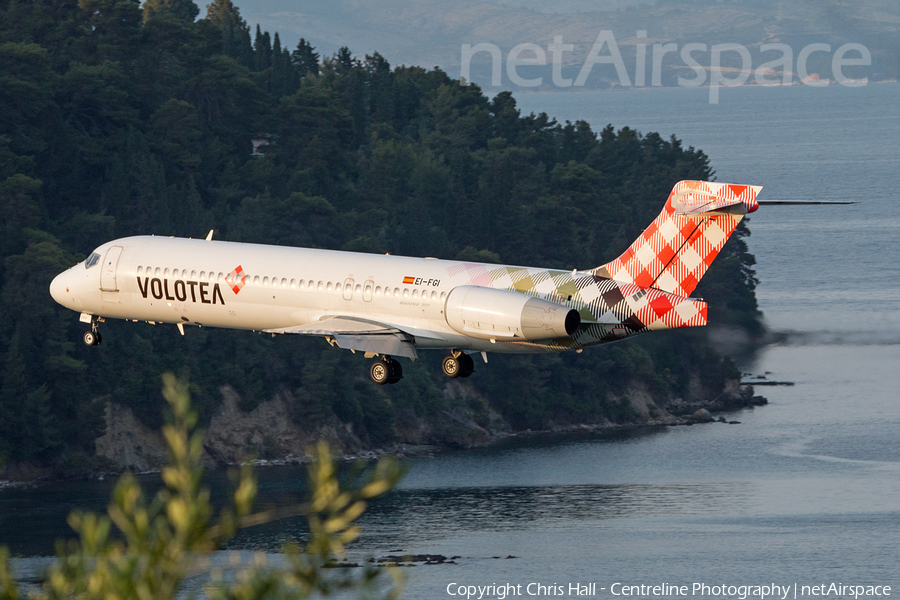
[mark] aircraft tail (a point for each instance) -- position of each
(675, 251)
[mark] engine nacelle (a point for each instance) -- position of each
(487, 313)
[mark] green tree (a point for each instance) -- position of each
(233, 31)
(181, 11)
(158, 543)
(305, 59)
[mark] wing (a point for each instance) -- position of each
(354, 333)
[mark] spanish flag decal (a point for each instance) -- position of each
(409, 280)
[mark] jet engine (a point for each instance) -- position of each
(487, 313)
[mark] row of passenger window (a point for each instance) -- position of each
(303, 284)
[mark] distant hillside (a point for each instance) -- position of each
(430, 33)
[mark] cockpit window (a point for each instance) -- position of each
(91, 260)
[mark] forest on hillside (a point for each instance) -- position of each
(120, 118)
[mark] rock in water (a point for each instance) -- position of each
(703, 416)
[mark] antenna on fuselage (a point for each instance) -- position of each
(209, 236)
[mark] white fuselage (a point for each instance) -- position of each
(191, 281)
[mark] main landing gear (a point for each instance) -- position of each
(458, 364)
(92, 337)
(386, 370)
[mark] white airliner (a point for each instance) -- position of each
(390, 306)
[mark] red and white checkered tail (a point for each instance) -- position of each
(675, 251)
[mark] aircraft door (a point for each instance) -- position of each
(348, 289)
(108, 273)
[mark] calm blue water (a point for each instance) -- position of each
(805, 490)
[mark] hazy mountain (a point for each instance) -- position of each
(431, 32)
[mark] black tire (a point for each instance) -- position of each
(380, 372)
(396, 371)
(466, 365)
(99, 339)
(90, 338)
(451, 366)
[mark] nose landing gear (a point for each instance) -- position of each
(92, 337)
(386, 370)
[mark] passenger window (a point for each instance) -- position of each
(378, 290)
(221, 276)
(202, 274)
(406, 293)
(337, 287)
(293, 283)
(358, 289)
(443, 295)
(320, 286)
(265, 281)
(193, 274)
(369, 288)
(166, 273)
(434, 295)
(283, 282)
(256, 280)
(330, 287)
(415, 293)
(396, 291)
(157, 272)
(139, 271)
(302, 284)
(212, 276)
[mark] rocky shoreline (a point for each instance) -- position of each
(267, 436)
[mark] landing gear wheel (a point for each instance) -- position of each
(466, 365)
(380, 372)
(396, 371)
(451, 366)
(91, 338)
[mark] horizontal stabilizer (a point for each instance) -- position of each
(696, 204)
(712, 197)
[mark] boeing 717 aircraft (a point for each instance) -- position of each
(391, 306)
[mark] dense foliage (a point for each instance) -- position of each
(118, 118)
(148, 550)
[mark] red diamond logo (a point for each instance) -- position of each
(237, 279)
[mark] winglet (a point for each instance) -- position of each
(209, 236)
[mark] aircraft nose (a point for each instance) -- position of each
(59, 289)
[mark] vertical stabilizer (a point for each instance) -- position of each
(675, 251)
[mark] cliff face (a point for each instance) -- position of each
(271, 432)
